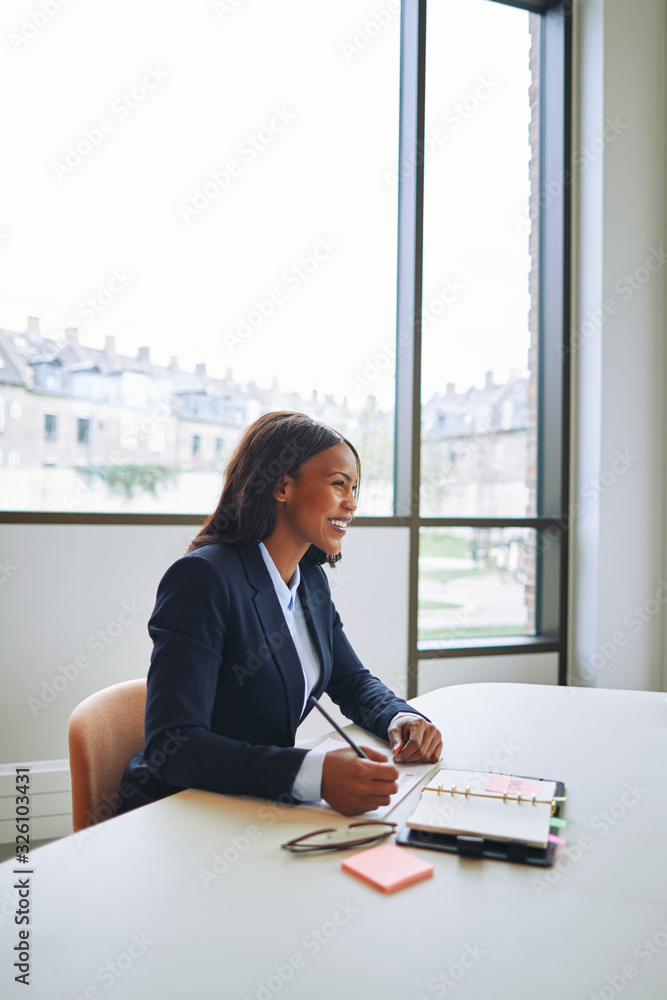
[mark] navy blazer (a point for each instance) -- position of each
(225, 684)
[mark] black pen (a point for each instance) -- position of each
(359, 752)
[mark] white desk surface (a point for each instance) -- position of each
(131, 892)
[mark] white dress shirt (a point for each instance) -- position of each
(308, 782)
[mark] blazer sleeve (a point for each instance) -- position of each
(188, 627)
(362, 697)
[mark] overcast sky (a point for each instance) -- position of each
(285, 266)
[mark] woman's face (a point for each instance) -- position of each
(318, 506)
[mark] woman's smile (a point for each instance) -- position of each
(339, 524)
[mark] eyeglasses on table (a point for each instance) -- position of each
(359, 834)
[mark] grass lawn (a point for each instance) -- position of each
(436, 605)
(470, 633)
(451, 546)
(443, 575)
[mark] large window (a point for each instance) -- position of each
(356, 210)
(200, 230)
(482, 376)
(479, 377)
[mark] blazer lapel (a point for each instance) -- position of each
(276, 633)
(312, 604)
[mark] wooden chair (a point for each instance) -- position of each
(104, 733)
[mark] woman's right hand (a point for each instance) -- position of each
(353, 785)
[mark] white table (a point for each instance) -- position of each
(133, 891)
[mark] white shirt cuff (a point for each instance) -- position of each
(307, 785)
(405, 715)
(308, 782)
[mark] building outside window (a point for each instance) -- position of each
(50, 427)
(82, 430)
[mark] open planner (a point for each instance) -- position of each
(485, 814)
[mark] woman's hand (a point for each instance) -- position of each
(353, 785)
(415, 740)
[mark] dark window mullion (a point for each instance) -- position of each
(409, 294)
(553, 414)
(514, 645)
(409, 265)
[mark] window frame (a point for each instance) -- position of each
(83, 430)
(50, 426)
(551, 521)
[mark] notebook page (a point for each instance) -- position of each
(482, 817)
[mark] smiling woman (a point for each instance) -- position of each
(244, 631)
(315, 471)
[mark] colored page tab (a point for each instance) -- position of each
(513, 786)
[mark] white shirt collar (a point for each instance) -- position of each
(286, 592)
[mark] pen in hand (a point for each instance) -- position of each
(359, 752)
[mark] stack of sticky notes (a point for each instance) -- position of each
(387, 867)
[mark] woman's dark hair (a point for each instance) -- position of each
(276, 444)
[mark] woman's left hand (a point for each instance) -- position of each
(415, 740)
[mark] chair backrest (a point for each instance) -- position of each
(104, 733)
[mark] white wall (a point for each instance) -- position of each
(618, 364)
(66, 582)
(528, 668)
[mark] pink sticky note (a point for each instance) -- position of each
(387, 867)
(553, 839)
(513, 786)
